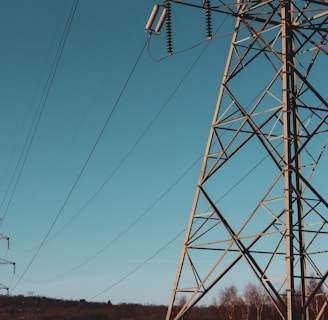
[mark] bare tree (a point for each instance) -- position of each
(318, 304)
(230, 303)
(255, 297)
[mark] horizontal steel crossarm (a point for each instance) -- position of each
(3, 237)
(4, 287)
(204, 245)
(4, 261)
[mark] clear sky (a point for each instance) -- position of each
(101, 137)
(99, 145)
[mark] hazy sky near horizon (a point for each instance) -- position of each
(101, 139)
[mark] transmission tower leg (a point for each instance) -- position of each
(288, 93)
(260, 207)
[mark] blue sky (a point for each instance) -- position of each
(101, 137)
(90, 216)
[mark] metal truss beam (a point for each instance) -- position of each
(261, 202)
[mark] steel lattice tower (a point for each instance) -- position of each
(4, 261)
(260, 201)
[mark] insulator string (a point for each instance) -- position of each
(169, 29)
(208, 14)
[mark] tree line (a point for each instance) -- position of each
(251, 304)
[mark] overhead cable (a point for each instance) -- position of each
(36, 120)
(41, 108)
(83, 167)
(121, 163)
(139, 266)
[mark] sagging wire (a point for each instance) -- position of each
(131, 272)
(108, 119)
(191, 47)
(167, 17)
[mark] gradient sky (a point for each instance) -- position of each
(99, 148)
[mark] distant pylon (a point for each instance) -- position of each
(5, 261)
(260, 210)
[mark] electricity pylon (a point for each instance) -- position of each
(260, 207)
(5, 261)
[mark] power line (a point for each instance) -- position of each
(122, 162)
(41, 108)
(140, 265)
(182, 231)
(143, 134)
(35, 123)
(129, 227)
(84, 166)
